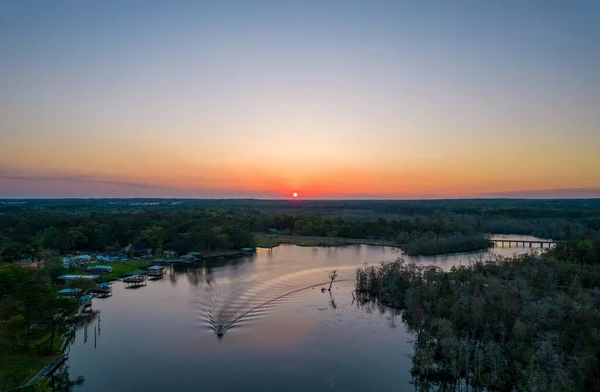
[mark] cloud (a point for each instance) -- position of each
(79, 179)
(574, 193)
(19, 184)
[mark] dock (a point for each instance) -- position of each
(155, 272)
(135, 279)
(103, 290)
(46, 370)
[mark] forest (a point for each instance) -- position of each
(34, 321)
(419, 227)
(529, 321)
(526, 323)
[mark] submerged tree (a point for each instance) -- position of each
(332, 276)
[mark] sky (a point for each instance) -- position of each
(329, 99)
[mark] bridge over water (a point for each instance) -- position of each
(523, 243)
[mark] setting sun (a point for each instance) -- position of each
(295, 194)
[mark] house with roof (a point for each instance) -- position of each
(82, 259)
(111, 257)
(100, 269)
(141, 249)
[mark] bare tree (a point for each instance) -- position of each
(332, 276)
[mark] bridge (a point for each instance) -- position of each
(524, 243)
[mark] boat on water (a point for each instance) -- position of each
(220, 330)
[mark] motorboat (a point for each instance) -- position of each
(220, 330)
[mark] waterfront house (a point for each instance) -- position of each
(141, 249)
(101, 269)
(170, 253)
(53, 252)
(187, 259)
(71, 277)
(191, 257)
(111, 257)
(81, 259)
(68, 293)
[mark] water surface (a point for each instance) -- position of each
(283, 332)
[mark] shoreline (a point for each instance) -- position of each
(265, 241)
(270, 242)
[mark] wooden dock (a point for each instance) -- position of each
(46, 370)
(135, 279)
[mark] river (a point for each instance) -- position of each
(282, 331)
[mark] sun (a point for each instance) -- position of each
(295, 194)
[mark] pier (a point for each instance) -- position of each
(524, 243)
(45, 372)
(135, 279)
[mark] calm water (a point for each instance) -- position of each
(283, 333)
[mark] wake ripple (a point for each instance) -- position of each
(246, 299)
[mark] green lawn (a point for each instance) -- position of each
(20, 368)
(22, 363)
(264, 241)
(120, 268)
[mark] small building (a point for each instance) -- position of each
(187, 259)
(72, 277)
(102, 269)
(247, 251)
(82, 259)
(271, 232)
(170, 253)
(68, 293)
(103, 289)
(86, 303)
(141, 249)
(191, 257)
(111, 257)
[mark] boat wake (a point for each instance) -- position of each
(223, 307)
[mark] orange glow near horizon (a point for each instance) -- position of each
(331, 108)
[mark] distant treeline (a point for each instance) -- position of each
(528, 323)
(422, 227)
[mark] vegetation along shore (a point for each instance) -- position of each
(39, 239)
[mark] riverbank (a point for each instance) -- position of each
(22, 364)
(420, 247)
(266, 241)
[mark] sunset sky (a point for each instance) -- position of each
(330, 99)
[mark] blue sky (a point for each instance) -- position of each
(328, 98)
